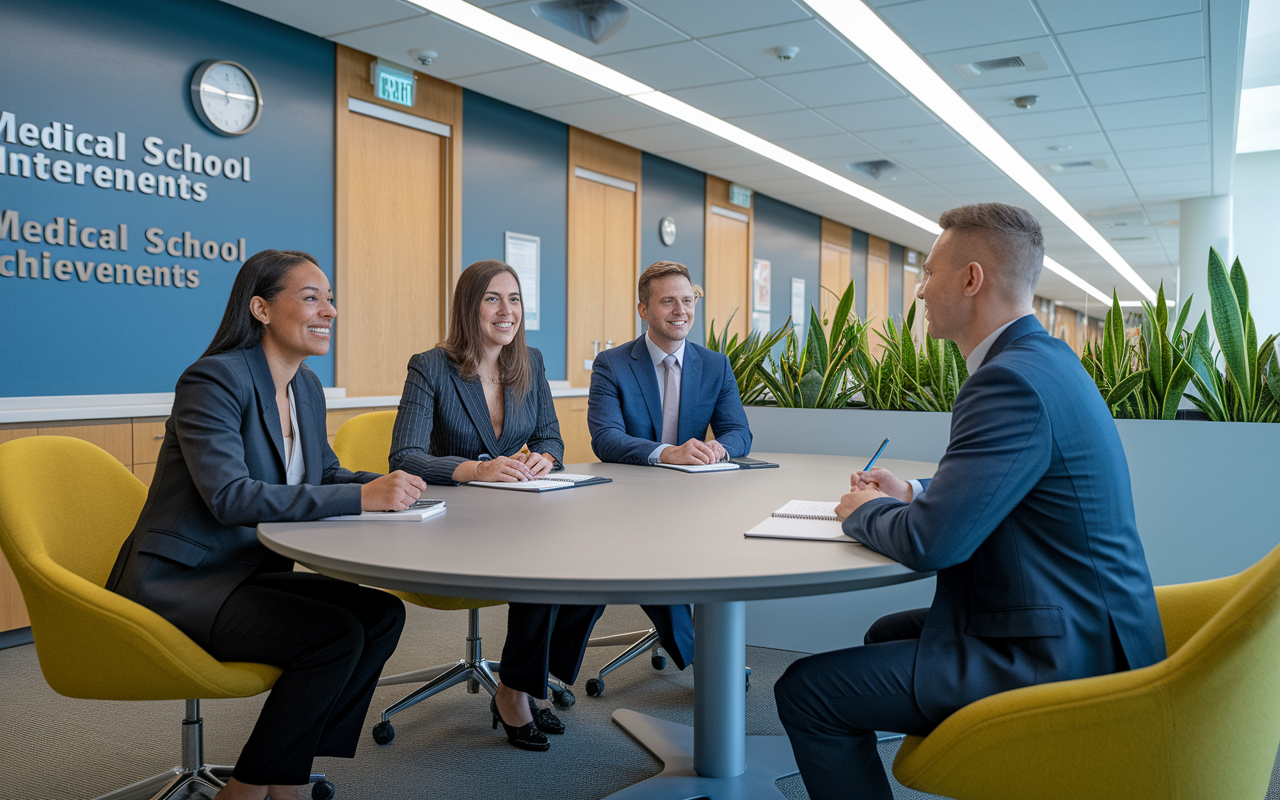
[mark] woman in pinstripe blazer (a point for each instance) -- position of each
(468, 408)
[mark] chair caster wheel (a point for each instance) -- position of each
(323, 790)
(658, 662)
(563, 698)
(383, 733)
(595, 687)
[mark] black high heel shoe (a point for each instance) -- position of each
(546, 721)
(525, 737)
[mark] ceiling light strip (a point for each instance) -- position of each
(512, 35)
(869, 33)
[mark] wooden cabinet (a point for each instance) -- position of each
(572, 413)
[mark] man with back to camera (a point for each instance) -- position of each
(651, 402)
(1028, 522)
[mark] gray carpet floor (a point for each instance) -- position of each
(57, 748)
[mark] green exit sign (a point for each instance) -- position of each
(739, 196)
(393, 84)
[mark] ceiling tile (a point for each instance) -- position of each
(675, 66)
(983, 188)
(1075, 144)
(959, 175)
(841, 145)
(1145, 83)
(604, 116)
(1071, 15)
(1145, 113)
(737, 99)
(1048, 123)
(1163, 136)
(1165, 156)
(933, 25)
(786, 125)
(329, 19)
(462, 52)
(819, 48)
(1097, 177)
(899, 112)
(783, 185)
(642, 30)
(711, 17)
(1052, 94)
(1120, 46)
(663, 139)
(830, 87)
(1044, 47)
(942, 157)
(534, 86)
(763, 172)
(1174, 189)
(713, 158)
(919, 137)
(1167, 174)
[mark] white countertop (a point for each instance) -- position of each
(59, 408)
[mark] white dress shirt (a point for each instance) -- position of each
(972, 363)
(660, 372)
(293, 466)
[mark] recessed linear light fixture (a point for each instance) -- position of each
(512, 35)
(858, 23)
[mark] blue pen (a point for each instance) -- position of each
(880, 450)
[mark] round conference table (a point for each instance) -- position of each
(652, 536)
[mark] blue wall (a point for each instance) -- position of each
(515, 165)
(858, 270)
(897, 257)
(791, 239)
(126, 66)
(673, 190)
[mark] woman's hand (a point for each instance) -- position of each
(394, 492)
(501, 470)
(539, 464)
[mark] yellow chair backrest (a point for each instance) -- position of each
(1201, 723)
(66, 507)
(363, 443)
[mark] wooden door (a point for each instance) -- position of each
(728, 260)
(877, 289)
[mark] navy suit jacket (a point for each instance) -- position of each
(624, 412)
(1029, 524)
(221, 472)
(444, 420)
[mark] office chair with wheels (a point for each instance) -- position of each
(93, 643)
(1201, 723)
(363, 443)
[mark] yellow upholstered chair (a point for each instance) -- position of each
(363, 443)
(1203, 723)
(66, 507)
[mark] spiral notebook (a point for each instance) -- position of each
(812, 520)
(549, 483)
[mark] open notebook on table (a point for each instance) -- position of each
(814, 520)
(420, 510)
(719, 466)
(548, 483)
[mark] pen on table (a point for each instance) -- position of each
(879, 450)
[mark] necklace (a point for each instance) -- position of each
(492, 380)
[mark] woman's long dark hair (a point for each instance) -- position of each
(465, 337)
(263, 275)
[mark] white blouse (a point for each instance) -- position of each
(293, 447)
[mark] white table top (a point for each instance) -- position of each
(651, 536)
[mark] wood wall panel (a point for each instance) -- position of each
(114, 437)
(729, 258)
(572, 413)
(877, 288)
(13, 610)
(9, 434)
(397, 230)
(148, 436)
(835, 268)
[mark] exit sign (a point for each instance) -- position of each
(739, 196)
(392, 84)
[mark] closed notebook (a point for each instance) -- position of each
(549, 483)
(408, 515)
(813, 520)
(719, 466)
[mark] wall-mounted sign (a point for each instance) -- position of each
(797, 307)
(667, 231)
(226, 97)
(739, 196)
(391, 82)
(523, 254)
(761, 285)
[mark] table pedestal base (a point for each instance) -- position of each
(768, 759)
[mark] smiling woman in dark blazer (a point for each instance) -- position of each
(469, 407)
(246, 443)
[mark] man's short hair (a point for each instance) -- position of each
(1012, 232)
(660, 269)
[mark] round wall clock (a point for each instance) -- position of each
(667, 231)
(226, 97)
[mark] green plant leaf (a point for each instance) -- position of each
(1229, 324)
(1273, 372)
(1127, 386)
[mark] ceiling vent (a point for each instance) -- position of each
(593, 20)
(1006, 65)
(1079, 166)
(876, 170)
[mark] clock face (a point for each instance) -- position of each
(226, 97)
(667, 231)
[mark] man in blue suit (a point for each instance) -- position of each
(1028, 522)
(652, 400)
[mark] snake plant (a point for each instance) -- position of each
(908, 376)
(746, 357)
(817, 374)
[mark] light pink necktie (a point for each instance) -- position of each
(671, 401)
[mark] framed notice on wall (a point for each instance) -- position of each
(760, 285)
(797, 307)
(524, 253)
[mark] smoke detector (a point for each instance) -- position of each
(1026, 100)
(593, 20)
(785, 53)
(424, 57)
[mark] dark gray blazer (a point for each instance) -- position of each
(1029, 524)
(444, 420)
(221, 472)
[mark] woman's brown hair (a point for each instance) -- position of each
(465, 337)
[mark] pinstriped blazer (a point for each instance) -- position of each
(444, 420)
